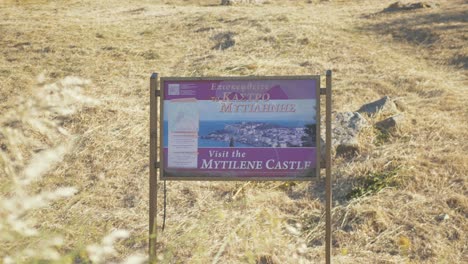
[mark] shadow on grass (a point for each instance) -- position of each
(443, 30)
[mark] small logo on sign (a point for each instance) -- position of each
(174, 89)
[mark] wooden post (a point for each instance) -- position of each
(153, 177)
(328, 164)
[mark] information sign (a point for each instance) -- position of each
(240, 128)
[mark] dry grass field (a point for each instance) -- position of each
(90, 131)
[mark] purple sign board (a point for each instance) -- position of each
(234, 128)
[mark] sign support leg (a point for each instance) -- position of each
(328, 161)
(153, 177)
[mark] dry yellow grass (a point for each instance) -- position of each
(418, 57)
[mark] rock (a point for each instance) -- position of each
(348, 123)
(443, 217)
(400, 105)
(348, 147)
(346, 128)
(129, 201)
(391, 122)
(398, 6)
(234, 2)
(385, 104)
(224, 40)
(322, 148)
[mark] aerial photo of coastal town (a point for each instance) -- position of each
(264, 134)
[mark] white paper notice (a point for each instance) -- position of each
(183, 122)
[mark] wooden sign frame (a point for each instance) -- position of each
(156, 133)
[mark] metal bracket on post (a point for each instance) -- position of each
(154, 167)
(328, 164)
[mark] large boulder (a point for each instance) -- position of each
(346, 128)
(384, 104)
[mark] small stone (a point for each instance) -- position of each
(224, 40)
(391, 122)
(398, 6)
(235, 2)
(348, 147)
(385, 104)
(129, 201)
(400, 105)
(293, 231)
(443, 217)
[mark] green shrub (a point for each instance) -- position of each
(373, 183)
